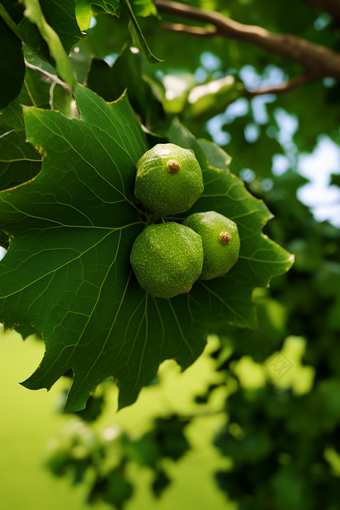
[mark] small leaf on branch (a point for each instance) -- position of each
(87, 8)
(137, 35)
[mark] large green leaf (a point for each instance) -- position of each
(19, 161)
(67, 270)
(83, 223)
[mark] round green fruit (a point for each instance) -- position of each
(221, 242)
(169, 179)
(167, 259)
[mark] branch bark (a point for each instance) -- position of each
(188, 29)
(316, 60)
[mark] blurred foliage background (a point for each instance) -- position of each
(254, 424)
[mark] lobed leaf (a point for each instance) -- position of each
(67, 272)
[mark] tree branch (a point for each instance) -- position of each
(284, 87)
(55, 81)
(318, 61)
(53, 77)
(187, 29)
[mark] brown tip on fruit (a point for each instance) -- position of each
(186, 291)
(173, 166)
(225, 237)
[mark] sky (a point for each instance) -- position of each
(323, 199)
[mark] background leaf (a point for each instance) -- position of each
(12, 117)
(35, 15)
(130, 71)
(144, 8)
(137, 35)
(12, 76)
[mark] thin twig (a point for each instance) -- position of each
(318, 61)
(49, 76)
(284, 87)
(53, 84)
(55, 81)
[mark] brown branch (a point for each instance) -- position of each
(318, 61)
(284, 87)
(330, 6)
(187, 29)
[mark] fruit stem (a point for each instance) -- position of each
(173, 166)
(225, 237)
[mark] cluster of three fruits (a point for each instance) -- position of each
(168, 257)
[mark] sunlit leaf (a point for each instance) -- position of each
(137, 35)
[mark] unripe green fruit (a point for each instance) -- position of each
(221, 242)
(169, 179)
(167, 259)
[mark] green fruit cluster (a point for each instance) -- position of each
(168, 257)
